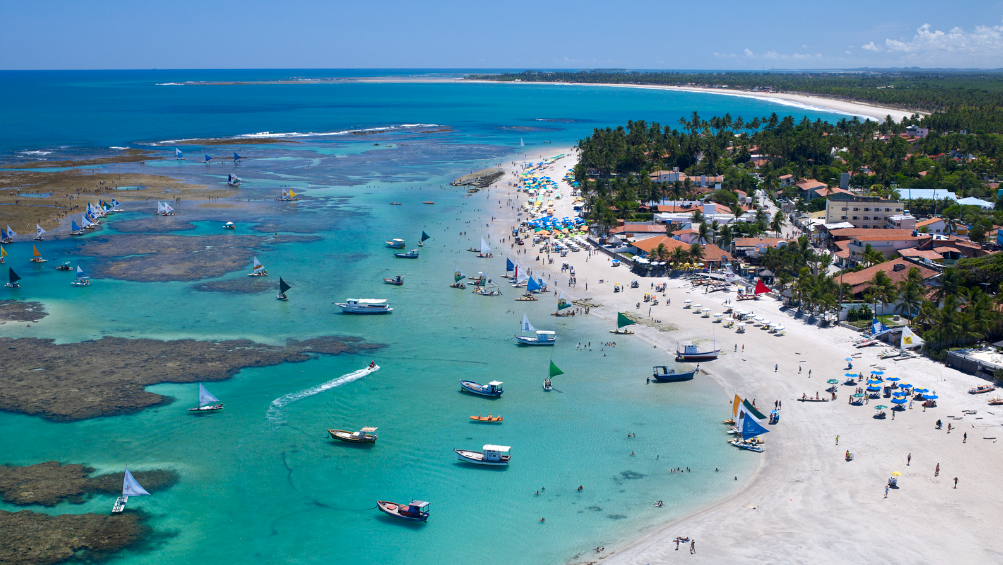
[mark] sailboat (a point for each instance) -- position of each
(562, 304)
(485, 250)
(37, 257)
(487, 288)
(509, 268)
(457, 277)
(621, 322)
(130, 487)
(38, 233)
(8, 235)
(207, 402)
(168, 211)
(520, 276)
(289, 196)
(236, 157)
(75, 229)
(233, 180)
(13, 279)
(3, 254)
(208, 158)
(178, 154)
(749, 428)
(542, 337)
(424, 237)
(521, 144)
(82, 279)
(258, 270)
(548, 385)
(283, 287)
(115, 206)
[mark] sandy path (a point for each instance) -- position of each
(834, 511)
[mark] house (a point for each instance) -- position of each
(887, 242)
(638, 231)
(807, 188)
(963, 248)
(826, 192)
(867, 212)
(753, 246)
(701, 181)
(896, 269)
(786, 180)
(932, 225)
(901, 222)
(687, 236)
(712, 254)
(923, 255)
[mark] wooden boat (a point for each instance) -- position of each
(471, 249)
(283, 287)
(365, 435)
(981, 389)
(207, 402)
(396, 203)
(413, 254)
(458, 285)
(65, 266)
(528, 297)
(663, 374)
(428, 202)
(229, 226)
(13, 279)
(398, 280)
(257, 269)
(693, 353)
(746, 445)
(488, 418)
(492, 389)
(997, 401)
(130, 487)
(492, 455)
(415, 511)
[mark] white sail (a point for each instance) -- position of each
(485, 250)
(10, 232)
(526, 326)
(39, 230)
(909, 339)
(160, 207)
(130, 487)
(205, 397)
(167, 208)
(522, 277)
(84, 222)
(80, 272)
(521, 144)
(177, 153)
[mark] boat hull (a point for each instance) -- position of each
(346, 436)
(345, 309)
(203, 409)
(674, 377)
(393, 509)
(523, 340)
(704, 356)
(477, 458)
(474, 388)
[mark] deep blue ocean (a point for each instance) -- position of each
(262, 483)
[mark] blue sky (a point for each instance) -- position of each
(641, 34)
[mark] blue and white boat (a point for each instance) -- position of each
(130, 487)
(364, 306)
(38, 233)
(663, 374)
(82, 279)
(750, 429)
(542, 337)
(492, 389)
(492, 455)
(75, 229)
(413, 254)
(415, 511)
(396, 244)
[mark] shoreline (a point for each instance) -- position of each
(801, 461)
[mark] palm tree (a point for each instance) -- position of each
(911, 295)
(950, 281)
(882, 289)
(679, 256)
(777, 224)
(696, 252)
(703, 231)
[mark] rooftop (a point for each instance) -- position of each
(860, 280)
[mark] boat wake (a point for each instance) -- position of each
(275, 408)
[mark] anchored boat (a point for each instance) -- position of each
(492, 455)
(488, 418)
(663, 374)
(396, 244)
(364, 306)
(413, 254)
(492, 389)
(541, 338)
(415, 511)
(207, 402)
(397, 281)
(692, 353)
(365, 435)
(37, 257)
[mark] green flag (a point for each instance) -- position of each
(622, 320)
(554, 371)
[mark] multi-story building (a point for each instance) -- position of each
(865, 212)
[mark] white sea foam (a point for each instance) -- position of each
(275, 408)
(120, 148)
(288, 134)
(35, 152)
(170, 84)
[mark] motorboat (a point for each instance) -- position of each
(488, 418)
(229, 226)
(396, 244)
(364, 306)
(493, 388)
(398, 280)
(542, 337)
(663, 374)
(692, 353)
(65, 266)
(492, 455)
(413, 254)
(415, 511)
(365, 435)
(981, 389)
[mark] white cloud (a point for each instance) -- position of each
(725, 55)
(749, 53)
(872, 47)
(848, 53)
(981, 46)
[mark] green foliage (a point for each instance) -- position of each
(982, 270)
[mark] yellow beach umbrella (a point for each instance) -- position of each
(896, 473)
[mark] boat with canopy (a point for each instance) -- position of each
(397, 281)
(365, 435)
(396, 244)
(492, 389)
(365, 306)
(130, 487)
(414, 511)
(497, 455)
(542, 337)
(207, 402)
(413, 254)
(663, 374)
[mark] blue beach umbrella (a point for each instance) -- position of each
(873, 388)
(922, 390)
(899, 394)
(893, 379)
(899, 401)
(877, 372)
(905, 385)
(851, 375)
(930, 396)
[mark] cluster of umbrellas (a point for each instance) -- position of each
(564, 226)
(899, 397)
(569, 178)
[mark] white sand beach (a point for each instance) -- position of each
(805, 503)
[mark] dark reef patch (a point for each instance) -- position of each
(246, 285)
(51, 482)
(39, 539)
(153, 224)
(21, 311)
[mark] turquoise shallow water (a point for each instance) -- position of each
(260, 486)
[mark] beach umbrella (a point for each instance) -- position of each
(877, 372)
(880, 407)
(899, 394)
(921, 390)
(873, 388)
(848, 359)
(833, 381)
(893, 379)
(930, 396)
(851, 375)
(858, 395)
(899, 401)
(896, 474)
(905, 385)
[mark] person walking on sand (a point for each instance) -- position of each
(837, 440)
(908, 459)
(936, 471)
(693, 546)
(776, 368)
(966, 438)
(886, 491)
(955, 482)
(799, 369)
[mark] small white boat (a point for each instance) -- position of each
(396, 244)
(229, 226)
(415, 511)
(493, 388)
(542, 337)
(889, 353)
(492, 455)
(364, 306)
(365, 435)
(130, 487)
(746, 445)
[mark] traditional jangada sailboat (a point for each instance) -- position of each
(13, 279)
(82, 279)
(562, 305)
(38, 233)
(424, 237)
(207, 402)
(289, 196)
(509, 268)
(37, 256)
(485, 250)
(75, 229)
(283, 287)
(8, 235)
(258, 270)
(622, 321)
(541, 337)
(130, 487)
(3, 255)
(457, 277)
(749, 428)
(554, 371)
